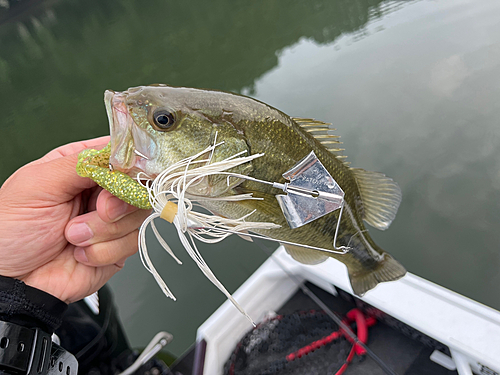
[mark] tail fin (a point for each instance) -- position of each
(387, 269)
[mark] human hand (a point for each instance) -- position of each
(61, 233)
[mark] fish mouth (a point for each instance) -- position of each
(131, 146)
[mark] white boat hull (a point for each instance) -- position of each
(470, 330)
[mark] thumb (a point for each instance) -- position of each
(51, 179)
(56, 171)
(74, 148)
(51, 182)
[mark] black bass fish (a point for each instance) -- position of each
(154, 127)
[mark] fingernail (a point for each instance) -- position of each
(80, 255)
(116, 208)
(79, 232)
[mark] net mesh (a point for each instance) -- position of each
(264, 349)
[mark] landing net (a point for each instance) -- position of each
(305, 342)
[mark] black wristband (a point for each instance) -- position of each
(28, 306)
(30, 351)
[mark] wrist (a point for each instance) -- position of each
(29, 306)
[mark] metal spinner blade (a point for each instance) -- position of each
(311, 193)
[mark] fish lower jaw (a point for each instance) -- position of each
(134, 166)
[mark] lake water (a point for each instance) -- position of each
(412, 87)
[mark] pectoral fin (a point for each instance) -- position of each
(381, 197)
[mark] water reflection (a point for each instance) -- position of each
(57, 58)
(411, 86)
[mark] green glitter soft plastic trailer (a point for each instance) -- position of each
(95, 165)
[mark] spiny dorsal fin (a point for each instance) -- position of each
(381, 197)
(322, 131)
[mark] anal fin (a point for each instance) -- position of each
(388, 269)
(306, 256)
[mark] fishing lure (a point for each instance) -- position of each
(311, 193)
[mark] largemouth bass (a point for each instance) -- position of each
(153, 127)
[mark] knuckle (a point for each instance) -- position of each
(114, 229)
(99, 254)
(110, 252)
(130, 246)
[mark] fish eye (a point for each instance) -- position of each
(163, 119)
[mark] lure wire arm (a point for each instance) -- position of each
(313, 194)
(287, 187)
(343, 249)
(340, 250)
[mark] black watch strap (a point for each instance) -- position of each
(30, 351)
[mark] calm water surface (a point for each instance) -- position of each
(412, 87)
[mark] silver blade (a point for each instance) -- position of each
(311, 193)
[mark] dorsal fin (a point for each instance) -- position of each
(381, 197)
(322, 131)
